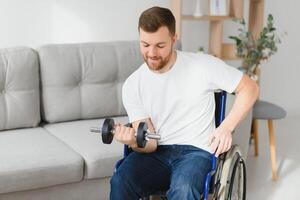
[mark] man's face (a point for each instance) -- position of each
(156, 47)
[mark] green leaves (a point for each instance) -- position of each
(237, 40)
(252, 51)
(270, 18)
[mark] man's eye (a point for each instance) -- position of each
(146, 45)
(160, 47)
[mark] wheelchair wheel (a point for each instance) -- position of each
(233, 176)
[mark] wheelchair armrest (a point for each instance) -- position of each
(127, 150)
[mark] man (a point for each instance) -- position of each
(173, 92)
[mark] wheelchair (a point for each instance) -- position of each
(227, 178)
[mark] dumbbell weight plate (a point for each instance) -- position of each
(141, 135)
(107, 135)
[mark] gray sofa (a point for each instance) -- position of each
(49, 99)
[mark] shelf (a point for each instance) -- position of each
(229, 52)
(207, 18)
(231, 58)
(216, 46)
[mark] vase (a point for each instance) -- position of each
(218, 7)
(198, 12)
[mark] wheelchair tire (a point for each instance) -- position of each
(233, 176)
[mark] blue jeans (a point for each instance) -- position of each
(178, 169)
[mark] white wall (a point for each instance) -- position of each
(280, 76)
(35, 22)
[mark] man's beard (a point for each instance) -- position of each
(160, 62)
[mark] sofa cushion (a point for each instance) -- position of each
(19, 88)
(32, 158)
(82, 81)
(100, 159)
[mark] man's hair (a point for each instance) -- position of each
(154, 18)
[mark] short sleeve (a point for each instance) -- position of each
(222, 76)
(132, 102)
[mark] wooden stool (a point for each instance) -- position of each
(263, 110)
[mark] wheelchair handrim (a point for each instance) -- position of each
(232, 161)
(239, 163)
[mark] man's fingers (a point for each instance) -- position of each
(228, 145)
(220, 141)
(117, 130)
(214, 145)
(220, 148)
(224, 146)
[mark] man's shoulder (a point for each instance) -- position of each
(203, 57)
(196, 57)
(197, 61)
(135, 76)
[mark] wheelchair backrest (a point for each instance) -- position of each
(220, 101)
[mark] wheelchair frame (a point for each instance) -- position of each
(220, 180)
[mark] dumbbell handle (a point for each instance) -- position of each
(95, 130)
(152, 136)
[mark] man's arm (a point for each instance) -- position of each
(151, 144)
(126, 135)
(246, 92)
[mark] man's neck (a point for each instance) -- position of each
(169, 65)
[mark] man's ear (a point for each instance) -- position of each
(174, 38)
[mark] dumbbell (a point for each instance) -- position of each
(108, 129)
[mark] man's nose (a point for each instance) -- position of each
(152, 52)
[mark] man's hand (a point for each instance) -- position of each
(220, 141)
(125, 135)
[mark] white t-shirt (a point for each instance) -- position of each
(180, 102)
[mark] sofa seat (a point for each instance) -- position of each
(31, 158)
(99, 158)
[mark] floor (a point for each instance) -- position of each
(259, 184)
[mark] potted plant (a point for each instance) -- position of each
(255, 51)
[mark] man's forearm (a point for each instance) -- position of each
(151, 146)
(243, 103)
